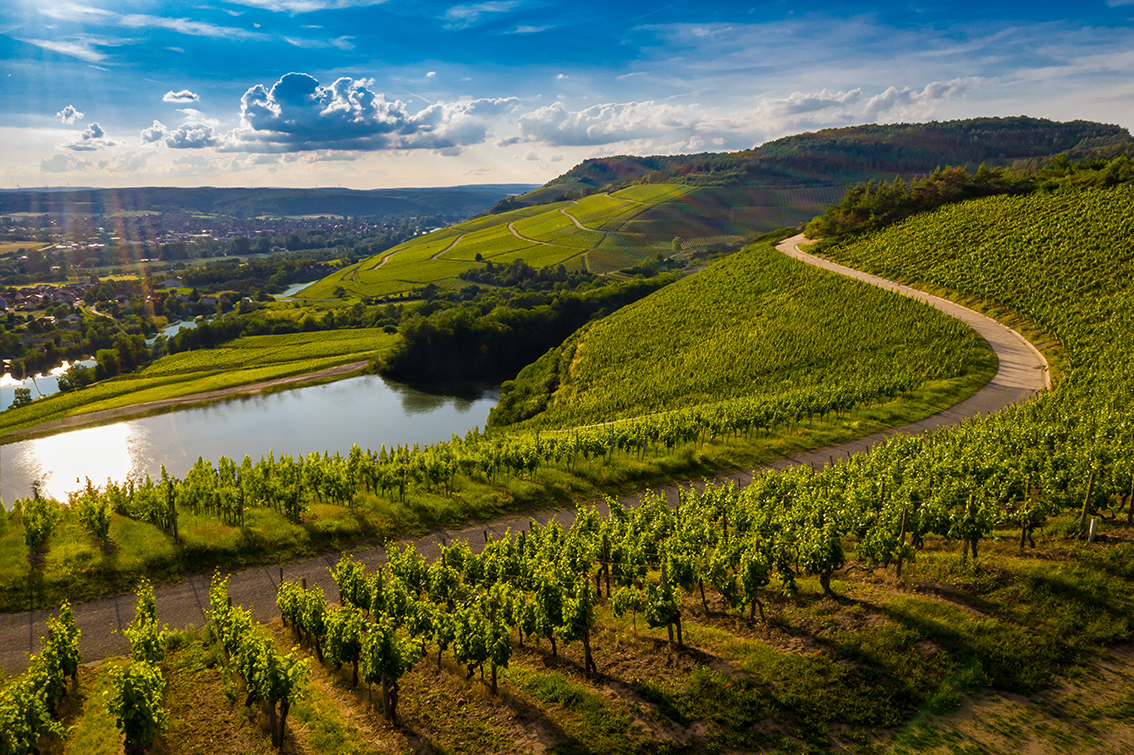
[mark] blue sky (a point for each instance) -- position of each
(376, 94)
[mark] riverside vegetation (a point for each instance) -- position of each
(968, 568)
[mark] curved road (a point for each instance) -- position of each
(1022, 373)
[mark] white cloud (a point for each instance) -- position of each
(306, 6)
(299, 115)
(189, 135)
(532, 156)
(464, 16)
(154, 133)
(180, 97)
(910, 103)
(83, 49)
(431, 74)
(92, 139)
(604, 124)
(185, 26)
(341, 43)
(538, 29)
(62, 164)
(69, 115)
(802, 111)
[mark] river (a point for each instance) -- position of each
(366, 410)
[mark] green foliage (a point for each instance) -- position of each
(876, 205)
(757, 325)
(40, 516)
(20, 397)
(136, 703)
(94, 513)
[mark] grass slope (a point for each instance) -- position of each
(603, 233)
(753, 324)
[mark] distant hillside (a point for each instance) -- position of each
(456, 202)
(842, 156)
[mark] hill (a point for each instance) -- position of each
(755, 325)
(601, 233)
(834, 158)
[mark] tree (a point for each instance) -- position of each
(20, 397)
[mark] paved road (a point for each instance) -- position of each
(1022, 373)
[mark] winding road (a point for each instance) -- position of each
(1022, 373)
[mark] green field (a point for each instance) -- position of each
(618, 231)
(252, 359)
(751, 325)
(9, 247)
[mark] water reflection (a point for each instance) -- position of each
(39, 385)
(366, 410)
(61, 463)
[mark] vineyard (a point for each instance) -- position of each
(600, 233)
(743, 329)
(778, 387)
(857, 607)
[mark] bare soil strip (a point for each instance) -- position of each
(1022, 374)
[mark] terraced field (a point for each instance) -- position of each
(601, 233)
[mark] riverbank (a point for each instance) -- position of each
(154, 407)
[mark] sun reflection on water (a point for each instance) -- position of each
(97, 452)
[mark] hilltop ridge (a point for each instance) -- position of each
(837, 157)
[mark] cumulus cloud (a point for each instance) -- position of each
(192, 135)
(154, 133)
(807, 110)
(604, 124)
(299, 115)
(62, 164)
(910, 103)
(184, 96)
(92, 139)
(69, 115)
(189, 135)
(511, 140)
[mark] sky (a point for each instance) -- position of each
(376, 94)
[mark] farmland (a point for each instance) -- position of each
(601, 233)
(874, 605)
(746, 327)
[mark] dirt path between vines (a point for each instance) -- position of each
(512, 228)
(1022, 374)
(448, 248)
(125, 412)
